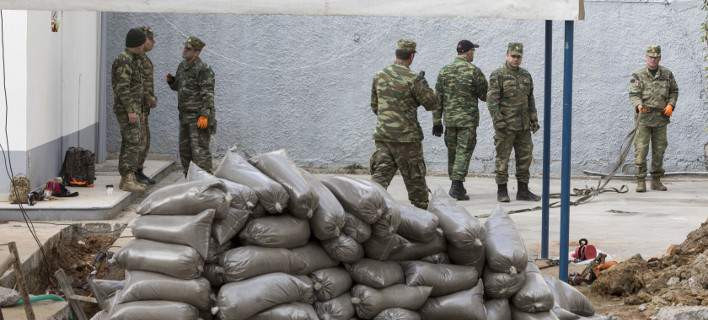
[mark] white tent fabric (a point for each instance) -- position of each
(513, 9)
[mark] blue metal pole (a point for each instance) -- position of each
(546, 140)
(565, 167)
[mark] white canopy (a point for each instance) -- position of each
(513, 9)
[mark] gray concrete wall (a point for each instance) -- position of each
(303, 83)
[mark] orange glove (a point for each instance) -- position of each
(202, 122)
(669, 110)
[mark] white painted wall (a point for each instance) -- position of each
(15, 27)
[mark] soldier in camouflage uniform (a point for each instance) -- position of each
(396, 94)
(194, 83)
(149, 102)
(460, 84)
(127, 85)
(653, 93)
(513, 109)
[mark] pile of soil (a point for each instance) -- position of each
(678, 278)
(77, 258)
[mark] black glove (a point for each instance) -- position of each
(534, 126)
(438, 130)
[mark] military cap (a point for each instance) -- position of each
(148, 32)
(515, 48)
(465, 45)
(654, 51)
(194, 43)
(406, 44)
(134, 38)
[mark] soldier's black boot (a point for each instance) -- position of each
(524, 194)
(457, 191)
(502, 193)
(142, 178)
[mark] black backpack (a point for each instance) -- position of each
(79, 168)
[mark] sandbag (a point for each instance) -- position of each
(357, 229)
(408, 250)
(187, 198)
(359, 197)
(443, 278)
(417, 224)
(142, 286)
(216, 249)
(9, 297)
(276, 232)
(441, 257)
(498, 309)
(271, 195)
(535, 295)
(330, 283)
(520, 315)
(376, 274)
(193, 231)
(154, 310)
(463, 305)
(214, 273)
(462, 230)
(242, 197)
(339, 308)
(563, 314)
(506, 251)
(390, 219)
(474, 257)
(502, 285)
(288, 311)
(315, 258)
(381, 247)
(174, 260)
(244, 299)
(368, 302)
(343, 248)
(328, 220)
(569, 298)
(223, 230)
(397, 314)
(249, 261)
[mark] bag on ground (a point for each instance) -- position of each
(246, 262)
(142, 286)
(357, 229)
(417, 224)
(225, 229)
(359, 197)
(330, 283)
(498, 309)
(276, 232)
(154, 310)
(397, 314)
(343, 248)
(339, 308)
(462, 230)
(187, 198)
(443, 278)
(569, 298)
(535, 295)
(288, 311)
(376, 274)
(174, 260)
(242, 197)
(328, 220)
(502, 285)
(517, 314)
(193, 231)
(506, 251)
(463, 305)
(408, 250)
(315, 258)
(368, 302)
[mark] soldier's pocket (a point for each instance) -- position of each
(133, 133)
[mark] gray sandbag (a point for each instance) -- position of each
(271, 195)
(569, 298)
(376, 274)
(193, 231)
(154, 310)
(390, 219)
(397, 314)
(535, 295)
(498, 309)
(330, 283)
(288, 311)
(474, 257)
(249, 261)
(328, 220)
(344, 249)
(187, 198)
(141, 286)
(463, 305)
(216, 249)
(103, 290)
(381, 247)
(462, 230)
(417, 224)
(443, 278)
(223, 230)
(359, 197)
(368, 302)
(357, 229)
(517, 314)
(9, 297)
(339, 308)
(506, 251)
(242, 197)
(441, 257)
(303, 200)
(276, 232)
(502, 285)
(563, 314)
(408, 250)
(244, 299)
(174, 260)
(214, 273)
(315, 258)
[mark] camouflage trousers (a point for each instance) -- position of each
(194, 146)
(657, 137)
(145, 126)
(504, 141)
(407, 157)
(460, 144)
(131, 144)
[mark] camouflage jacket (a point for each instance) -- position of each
(459, 86)
(510, 99)
(396, 93)
(127, 83)
(653, 92)
(148, 80)
(194, 83)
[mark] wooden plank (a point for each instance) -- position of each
(65, 284)
(20, 279)
(84, 299)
